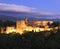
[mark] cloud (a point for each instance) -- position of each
(47, 13)
(12, 7)
(21, 8)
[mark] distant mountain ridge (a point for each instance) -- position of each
(4, 17)
(10, 15)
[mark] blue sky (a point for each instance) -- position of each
(43, 5)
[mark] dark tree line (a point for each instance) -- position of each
(7, 23)
(31, 40)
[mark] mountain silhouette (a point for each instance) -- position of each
(13, 15)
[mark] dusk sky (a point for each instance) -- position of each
(52, 6)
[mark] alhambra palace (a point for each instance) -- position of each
(28, 25)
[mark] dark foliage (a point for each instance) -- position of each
(30, 40)
(7, 23)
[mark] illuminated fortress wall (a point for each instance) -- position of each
(25, 25)
(20, 26)
(10, 29)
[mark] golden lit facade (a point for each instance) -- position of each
(25, 25)
(20, 26)
(10, 29)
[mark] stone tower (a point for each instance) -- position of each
(20, 26)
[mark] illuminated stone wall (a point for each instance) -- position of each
(21, 26)
(10, 29)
